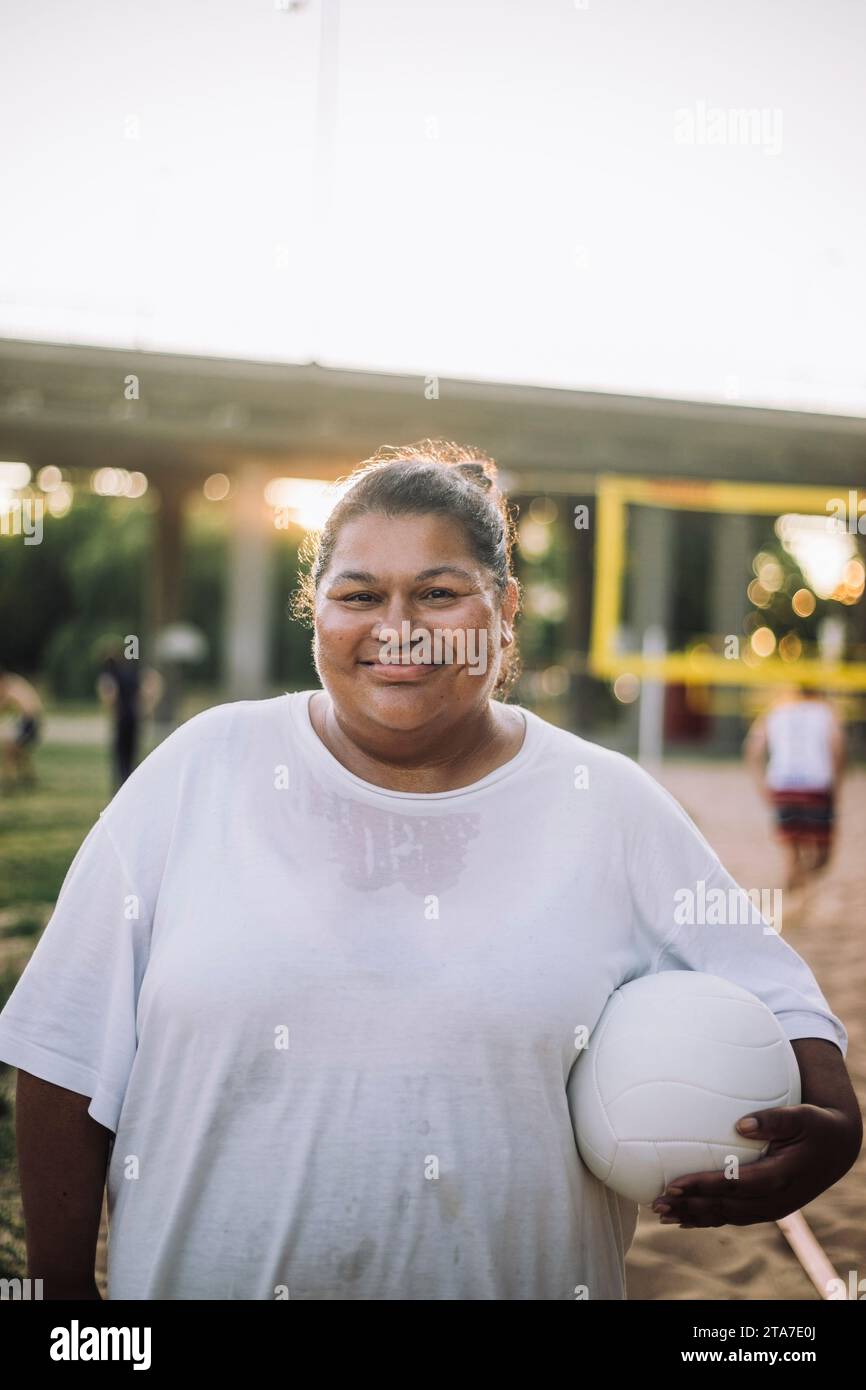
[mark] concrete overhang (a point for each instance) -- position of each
(66, 405)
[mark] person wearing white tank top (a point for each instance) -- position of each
(797, 752)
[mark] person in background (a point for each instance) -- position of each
(130, 694)
(18, 694)
(797, 754)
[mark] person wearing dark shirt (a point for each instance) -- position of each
(119, 685)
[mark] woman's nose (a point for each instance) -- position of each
(399, 609)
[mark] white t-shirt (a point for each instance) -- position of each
(799, 745)
(332, 1025)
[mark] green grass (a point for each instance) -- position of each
(42, 827)
(40, 830)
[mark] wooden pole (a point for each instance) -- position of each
(811, 1255)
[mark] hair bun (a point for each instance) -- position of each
(475, 473)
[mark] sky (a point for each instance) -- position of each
(652, 198)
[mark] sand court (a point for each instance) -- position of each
(826, 924)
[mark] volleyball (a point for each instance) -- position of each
(674, 1061)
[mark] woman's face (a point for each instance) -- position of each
(409, 577)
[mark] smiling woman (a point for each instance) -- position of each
(324, 964)
(410, 588)
(431, 478)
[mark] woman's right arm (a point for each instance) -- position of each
(755, 749)
(62, 1163)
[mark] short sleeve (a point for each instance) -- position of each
(71, 1019)
(693, 915)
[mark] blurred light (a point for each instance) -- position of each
(535, 538)
(543, 510)
(59, 499)
(117, 482)
(547, 602)
(758, 595)
(763, 641)
(853, 578)
(790, 647)
(762, 558)
(107, 482)
(554, 680)
(307, 501)
(626, 688)
(771, 576)
(803, 603)
(820, 550)
(216, 487)
(49, 478)
(14, 475)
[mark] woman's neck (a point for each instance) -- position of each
(435, 763)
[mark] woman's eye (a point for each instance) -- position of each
(365, 597)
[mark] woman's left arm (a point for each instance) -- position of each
(811, 1146)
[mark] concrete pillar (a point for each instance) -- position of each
(651, 705)
(166, 596)
(735, 542)
(166, 592)
(248, 598)
(580, 545)
(651, 549)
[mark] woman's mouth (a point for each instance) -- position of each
(393, 671)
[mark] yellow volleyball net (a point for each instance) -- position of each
(703, 666)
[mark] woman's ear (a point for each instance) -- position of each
(510, 601)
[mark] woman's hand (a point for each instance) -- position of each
(811, 1147)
